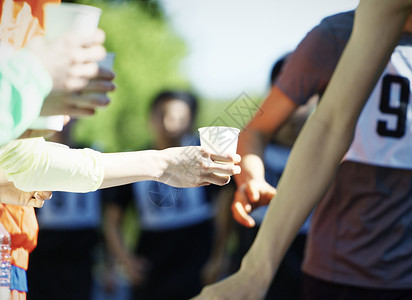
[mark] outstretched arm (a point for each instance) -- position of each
(180, 167)
(320, 146)
(34, 164)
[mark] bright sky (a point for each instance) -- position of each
(234, 43)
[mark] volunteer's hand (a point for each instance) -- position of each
(79, 84)
(193, 166)
(9, 194)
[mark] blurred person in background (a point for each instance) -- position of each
(176, 226)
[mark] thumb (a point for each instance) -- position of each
(252, 192)
(38, 199)
(35, 202)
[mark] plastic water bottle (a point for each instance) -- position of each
(5, 263)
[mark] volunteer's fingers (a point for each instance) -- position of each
(232, 158)
(84, 70)
(43, 195)
(105, 74)
(217, 179)
(88, 100)
(224, 169)
(77, 112)
(99, 86)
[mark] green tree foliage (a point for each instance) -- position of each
(147, 60)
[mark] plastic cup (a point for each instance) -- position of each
(108, 61)
(60, 19)
(219, 140)
(65, 17)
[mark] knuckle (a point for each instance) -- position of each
(69, 86)
(204, 153)
(94, 70)
(204, 165)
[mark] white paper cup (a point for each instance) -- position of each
(219, 140)
(65, 17)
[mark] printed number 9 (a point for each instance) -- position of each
(400, 111)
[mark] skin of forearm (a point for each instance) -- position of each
(327, 135)
(127, 167)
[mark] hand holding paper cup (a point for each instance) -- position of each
(59, 20)
(219, 140)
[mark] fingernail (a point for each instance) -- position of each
(104, 101)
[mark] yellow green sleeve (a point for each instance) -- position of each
(37, 165)
(24, 83)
